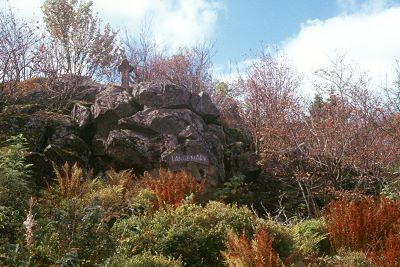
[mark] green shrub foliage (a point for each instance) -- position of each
(144, 260)
(311, 236)
(195, 233)
(14, 173)
(74, 234)
(117, 223)
(282, 236)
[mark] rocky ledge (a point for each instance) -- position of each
(143, 127)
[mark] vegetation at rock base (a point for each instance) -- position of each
(86, 221)
(171, 188)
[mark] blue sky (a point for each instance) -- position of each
(247, 25)
(308, 32)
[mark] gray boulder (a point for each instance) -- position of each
(51, 137)
(32, 126)
(69, 148)
(99, 145)
(197, 157)
(113, 103)
(165, 121)
(81, 115)
(171, 131)
(190, 132)
(132, 150)
(64, 143)
(156, 95)
(218, 131)
(202, 105)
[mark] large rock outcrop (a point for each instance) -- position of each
(152, 125)
(143, 127)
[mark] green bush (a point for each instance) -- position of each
(110, 198)
(144, 260)
(391, 189)
(73, 234)
(311, 237)
(194, 233)
(12, 254)
(142, 202)
(232, 190)
(10, 222)
(14, 173)
(14, 193)
(283, 240)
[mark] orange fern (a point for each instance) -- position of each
(68, 179)
(361, 224)
(127, 179)
(252, 253)
(172, 187)
(388, 255)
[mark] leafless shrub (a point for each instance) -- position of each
(188, 67)
(17, 42)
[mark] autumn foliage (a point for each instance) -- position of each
(389, 253)
(68, 179)
(361, 224)
(345, 141)
(252, 253)
(368, 225)
(172, 187)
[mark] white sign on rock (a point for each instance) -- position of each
(198, 158)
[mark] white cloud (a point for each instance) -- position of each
(232, 71)
(23, 8)
(366, 6)
(174, 23)
(370, 36)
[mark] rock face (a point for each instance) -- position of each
(157, 96)
(156, 125)
(52, 137)
(109, 106)
(144, 127)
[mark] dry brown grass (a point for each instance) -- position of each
(28, 85)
